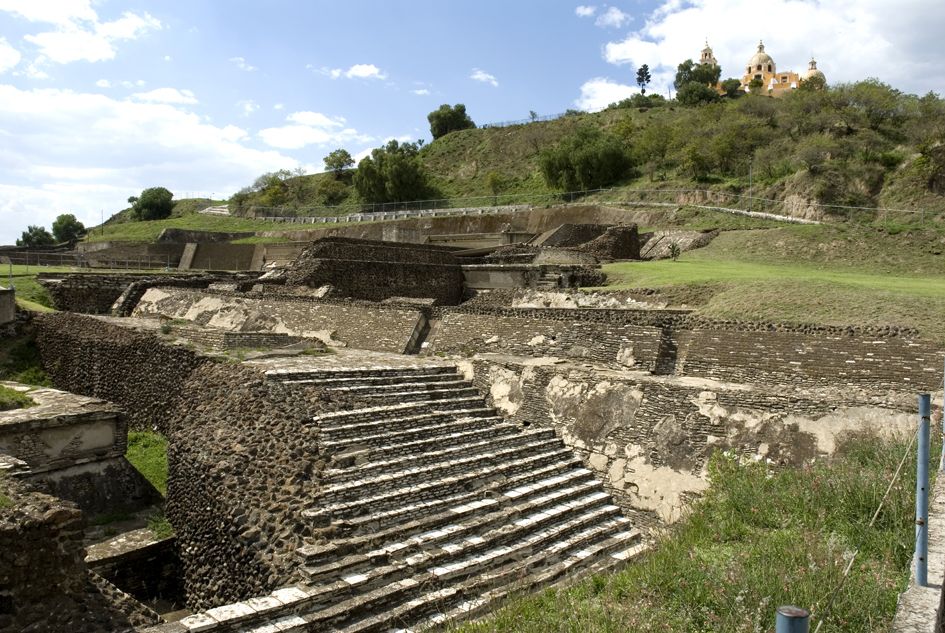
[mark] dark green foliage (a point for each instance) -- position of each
(446, 119)
(12, 399)
(67, 228)
(587, 159)
(392, 173)
(732, 88)
(155, 203)
(338, 161)
(691, 72)
(20, 362)
(693, 93)
(643, 77)
(35, 236)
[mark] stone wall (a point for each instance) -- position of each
(650, 438)
(623, 344)
(7, 305)
(89, 293)
(214, 256)
(242, 457)
(44, 582)
(361, 325)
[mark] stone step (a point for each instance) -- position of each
(430, 437)
(414, 457)
(427, 515)
(459, 520)
(430, 427)
(481, 462)
(347, 418)
(377, 380)
(429, 592)
(446, 394)
(471, 481)
(360, 389)
(357, 372)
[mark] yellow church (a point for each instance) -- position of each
(762, 67)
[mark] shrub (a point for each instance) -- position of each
(588, 159)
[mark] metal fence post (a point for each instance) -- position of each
(941, 463)
(792, 620)
(922, 494)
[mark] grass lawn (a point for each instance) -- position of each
(801, 274)
(149, 231)
(758, 539)
(147, 451)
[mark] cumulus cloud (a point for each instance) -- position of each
(9, 56)
(600, 92)
(850, 38)
(585, 11)
(421, 92)
(311, 128)
(51, 11)
(242, 64)
(89, 39)
(247, 106)
(167, 95)
(484, 77)
(279, 106)
(613, 18)
(107, 149)
(357, 71)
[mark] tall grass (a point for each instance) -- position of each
(759, 538)
(147, 451)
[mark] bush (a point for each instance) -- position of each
(392, 173)
(67, 228)
(588, 159)
(155, 203)
(446, 119)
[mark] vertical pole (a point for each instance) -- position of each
(941, 463)
(750, 162)
(922, 495)
(792, 620)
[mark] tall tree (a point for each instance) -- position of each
(67, 228)
(689, 71)
(392, 173)
(643, 78)
(338, 161)
(35, 236)
(155, 203)
(446, 119)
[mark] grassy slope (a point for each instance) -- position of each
(149, 231)
(806, 274)
(757, 540)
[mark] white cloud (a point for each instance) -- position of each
(358, 71)
(421, 92)
(484, 77)
(279, 106)
(103, 83)
(247, 106)
(242, 64)
(311, 128)
(167, 95)
(91, 40)
(612, 17)
(600, 92)
(86, 152)
(50, 11)
(9, 56)
(168, 58)
(585, 11)
(851, 39)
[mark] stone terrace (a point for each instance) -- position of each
(432, 506)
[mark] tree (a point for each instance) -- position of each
(755, 86)
(338, 161)
(392, 173)
(532, 116)
(35, 236)
(689, 71)
(446, 119)
(67, 228)
(643, 78)
(155, 203)
(587, 159)
(495, 182)
(732, 88)
(694, 93)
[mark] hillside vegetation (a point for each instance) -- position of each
(863, 144)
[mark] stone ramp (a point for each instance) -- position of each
(433, 507)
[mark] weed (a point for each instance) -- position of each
(147, 451)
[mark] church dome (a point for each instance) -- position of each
(813, 71)
(761, 58)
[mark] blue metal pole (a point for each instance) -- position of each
(792, 620)
(922, 494)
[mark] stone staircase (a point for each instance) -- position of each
(433, 507)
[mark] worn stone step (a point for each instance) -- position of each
(378, 380)
(426, 515)
(357, 372)
(481, 462)
(414, 457)
(508, 569)
(347, 418)
(429, 427)
(369, 421)
(467, 518)
(470, 481)
(446, 394)
(415, 440)
(360, 389)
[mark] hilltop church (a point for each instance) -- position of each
(762, 67)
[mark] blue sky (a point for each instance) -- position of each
(100, 99)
